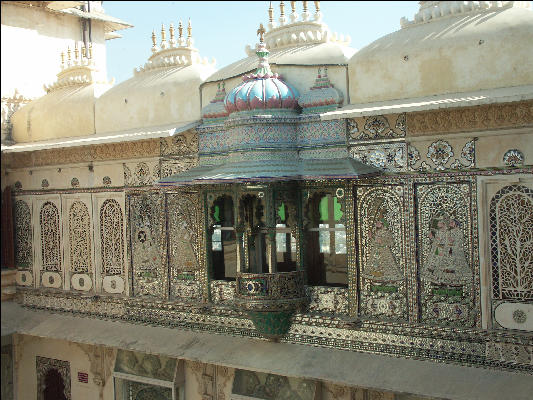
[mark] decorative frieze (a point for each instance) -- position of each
(377, 127)
(468, 119)
(73, 155)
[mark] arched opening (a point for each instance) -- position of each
(251, 216)
(54, 387)
(325, 240)
(223, 241)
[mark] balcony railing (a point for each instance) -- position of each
(271, 299)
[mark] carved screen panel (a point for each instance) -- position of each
(79, 227)
(23, 236)
(112, 239)
(448, 276)
(50, 237)
(184, 247)
(511, 236)
(383, 287)
(149, 274)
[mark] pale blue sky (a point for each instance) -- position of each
(221, 29)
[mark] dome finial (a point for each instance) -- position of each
(261, 32)
(263, 69)
(163, 37)
(189, 34)
(154, 42)
(294, 14)
(282, 18)
(69, 56)
(181, 40)
(172, 35)
(76, 52)
(62, 59)
(318, 14)
(91, 50)
(271, 23)
(305, 13)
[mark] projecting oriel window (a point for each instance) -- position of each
(325, 242)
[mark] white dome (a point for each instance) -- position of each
(161, 96)
(455, 51)
(67, 109)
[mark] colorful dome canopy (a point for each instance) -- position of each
(262, 90)
(323, 96)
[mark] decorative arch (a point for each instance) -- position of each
(80, 238)
(511, 241)
(112, 237)
(23, 235)
(50, 239)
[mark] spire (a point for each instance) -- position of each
(318, 14)
(282, 17)
(76, 53)
(172, 36)
(305, 13)
(263, 69)
(189, 34)
(155, 48)
(164, 43)
(294, 14)
(181, 41)
(271, 23)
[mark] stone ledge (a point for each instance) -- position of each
(348, 368)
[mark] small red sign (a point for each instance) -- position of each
(83, 377)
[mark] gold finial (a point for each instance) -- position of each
(76, 51)
(62, 58)
(154, 39)
(261, 32)
(293, 6)
(180, 29)
(282, 9)
(270, 13)
(305, 6)
(317, 6)
(189, 30)
(163, 33)
(69, 54)
(90, 51)
(171, 32)
(83, 52)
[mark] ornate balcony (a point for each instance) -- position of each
(271, 299)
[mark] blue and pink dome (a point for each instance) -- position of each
(262, 90)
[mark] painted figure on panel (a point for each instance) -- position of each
(382, 265)
(446, 262)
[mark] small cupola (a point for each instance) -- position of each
(262, 90)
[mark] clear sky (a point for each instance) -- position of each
(222, 29)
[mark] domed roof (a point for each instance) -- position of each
(450, 47)
(323, 96)
(294, 40)
(163, 92)
(67, 109)
(262, 90)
